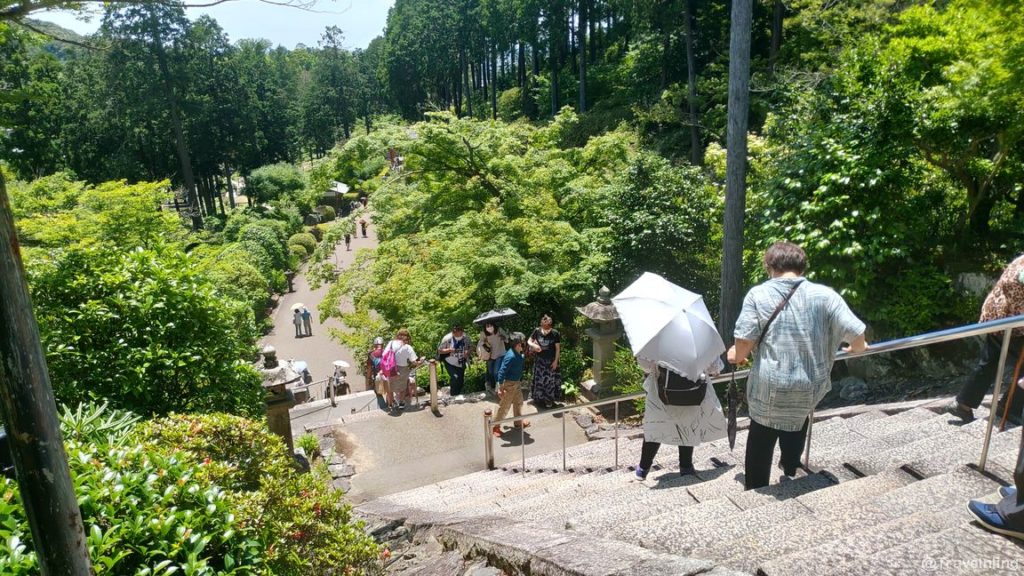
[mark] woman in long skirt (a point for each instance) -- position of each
(546, 344)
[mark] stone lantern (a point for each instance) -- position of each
(606, 330)
(279, 399)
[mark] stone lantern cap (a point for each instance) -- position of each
(602, 310)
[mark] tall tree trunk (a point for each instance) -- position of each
(180, 143)
(494, 84)
(521, 80)
(30, 416)
(778, 15)
(736, 167)
(581, 41)
(553, 58)
(457, 92)
(231, 189)
(464, 64)
(696, 146)
(220, 195)
(666, 48)
(592, 34)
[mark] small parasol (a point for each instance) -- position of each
(494, 316)
(298, 306)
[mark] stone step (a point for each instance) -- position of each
(853, 547)
(935, 454)
(658, 494)
(962, 550)
(896, 422)
(865, 417)
(716, 485)
(478, 497)
(752, 549)
(833, 520)
(1002, 444)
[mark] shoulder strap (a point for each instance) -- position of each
(777, 310)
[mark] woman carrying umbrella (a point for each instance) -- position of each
(682, 426)
(675, 341)
(546, 344)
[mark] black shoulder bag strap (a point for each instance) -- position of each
(777, 310)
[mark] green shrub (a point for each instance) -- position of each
(145, 511)
(328, 213)
(304, 239)
(146, 331)
(203, 495)
(234, 276)
(572, 363)
(510, 104)
(629, 376)
(304, 526)
(236, 220)
(298, 251)
(267, 237)
(310, 444)
(273, 181)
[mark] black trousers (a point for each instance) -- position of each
(650, 450)
(456, 378)
(984, 374)
(761, 450)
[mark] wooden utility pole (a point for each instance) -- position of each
(735, 168)
(30, 414)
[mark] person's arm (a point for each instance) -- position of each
(446, 345)
(859, 344)
(533, 342)
(558, 354)
(502, 370)
(739, 351)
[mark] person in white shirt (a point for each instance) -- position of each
(454, 350)
(405, 360)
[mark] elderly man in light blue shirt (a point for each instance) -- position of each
(794, 328)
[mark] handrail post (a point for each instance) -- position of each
(488, 441)
(563, 442)
(616, 434)
(995, 397)
(433, 388)
(522, 443)
(807, 447)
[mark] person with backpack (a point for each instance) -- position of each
(397, 361)
(793, 327)
(372, 371)
(454, 351)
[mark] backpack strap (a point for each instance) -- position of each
(777, 310)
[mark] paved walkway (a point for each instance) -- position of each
(318, 350)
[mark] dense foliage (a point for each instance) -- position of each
(194, 495)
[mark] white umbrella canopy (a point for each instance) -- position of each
(669, 324)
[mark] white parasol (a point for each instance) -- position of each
(668, 324)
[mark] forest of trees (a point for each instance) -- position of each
(885, 135)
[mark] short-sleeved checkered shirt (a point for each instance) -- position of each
(790, 374)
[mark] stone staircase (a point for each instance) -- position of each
(887, 494)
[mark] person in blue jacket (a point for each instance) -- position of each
(510, 377)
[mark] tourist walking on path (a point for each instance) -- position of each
(546, 344)
(682, 426)
(510, 377)
(1005, 300)
(362, 224)
(793, 326)
(372, 371)
(405, 360)
(307, 321)
(454, 350)
(297, 320)
(348, 241)
(491, 349)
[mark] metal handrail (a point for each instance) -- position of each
(1004, 325)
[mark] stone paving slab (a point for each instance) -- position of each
(781, 491)
(660, 531)
(848, 550)
(954, 551)
(893, 423)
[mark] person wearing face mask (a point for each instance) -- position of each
(546, 344)
(491, 349)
